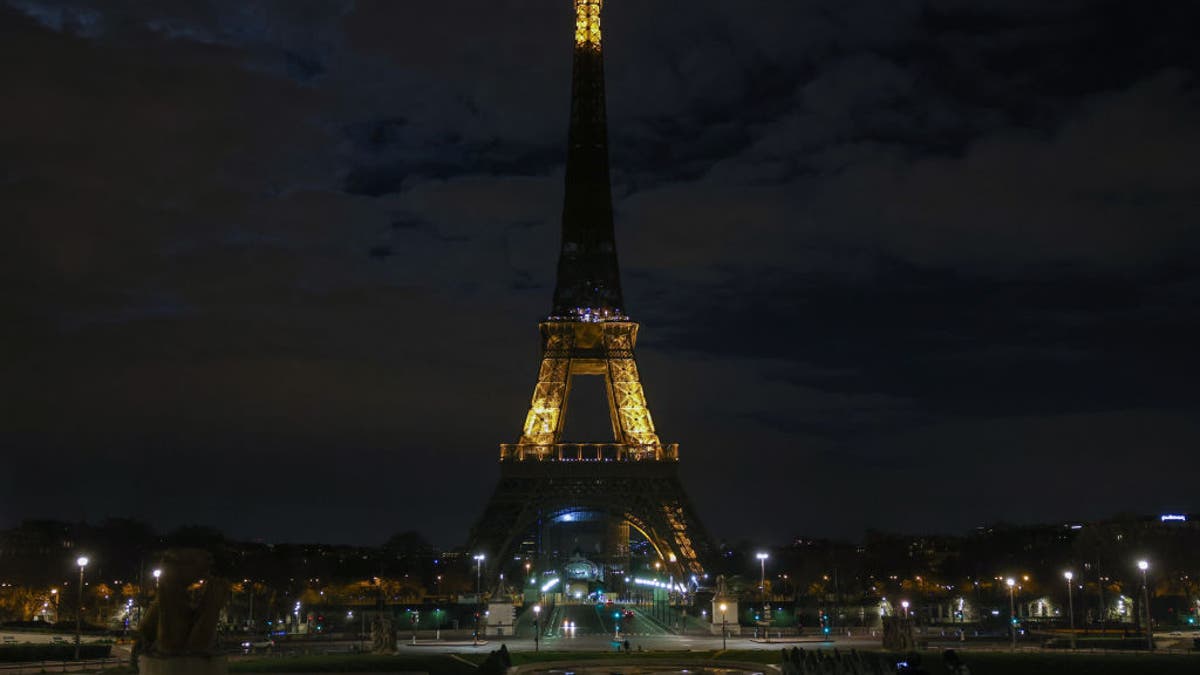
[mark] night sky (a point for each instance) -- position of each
(276, 268)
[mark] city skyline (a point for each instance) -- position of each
(904, 267)
(196, 534)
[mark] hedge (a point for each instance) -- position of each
(53, 652)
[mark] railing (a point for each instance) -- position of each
(588, 452)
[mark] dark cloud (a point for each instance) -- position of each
(874, 245)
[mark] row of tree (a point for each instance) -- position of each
(38, 557)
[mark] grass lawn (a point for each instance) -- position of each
(981, 663)
(1049, 663)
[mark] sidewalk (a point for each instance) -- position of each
(790, 640)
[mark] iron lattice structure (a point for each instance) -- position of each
(634, 478)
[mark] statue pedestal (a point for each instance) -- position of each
(731, 617)
(501, 619)
(183, 665)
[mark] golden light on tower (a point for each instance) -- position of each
(631, 477)
(613, 343)
(587, 22)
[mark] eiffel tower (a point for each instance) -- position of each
(632, 481)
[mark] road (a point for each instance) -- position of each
(596, 640)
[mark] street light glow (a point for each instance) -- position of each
(157, 573)
(479, 556)
(82, 561)
(1069, 575)
(762, 556)
(1142, 565)
(1011, 582)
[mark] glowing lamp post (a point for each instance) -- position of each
(724, 633)
(1012, 610)
(82, 561)
(1143, 566)
(654, 591)
(479, 558)
(762, 586)
(1069, 575)
(537, 625)
(904, 605)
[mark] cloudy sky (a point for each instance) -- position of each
(276, 267)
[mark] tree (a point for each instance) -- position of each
(20, 603)
(409, 542)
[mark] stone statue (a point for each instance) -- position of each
(182, 621)
(898, 634)
(822, 662)
(722, 589)
(383, 635)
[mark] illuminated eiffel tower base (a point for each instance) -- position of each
(632, 481)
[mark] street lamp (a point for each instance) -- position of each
(1143, 566)
(904, 604)
(723, 631)
(762, 583)
(537, 625)
(157, 574)
(479, 557)
(1012, 610)
(1069, 575)
(82, 561)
